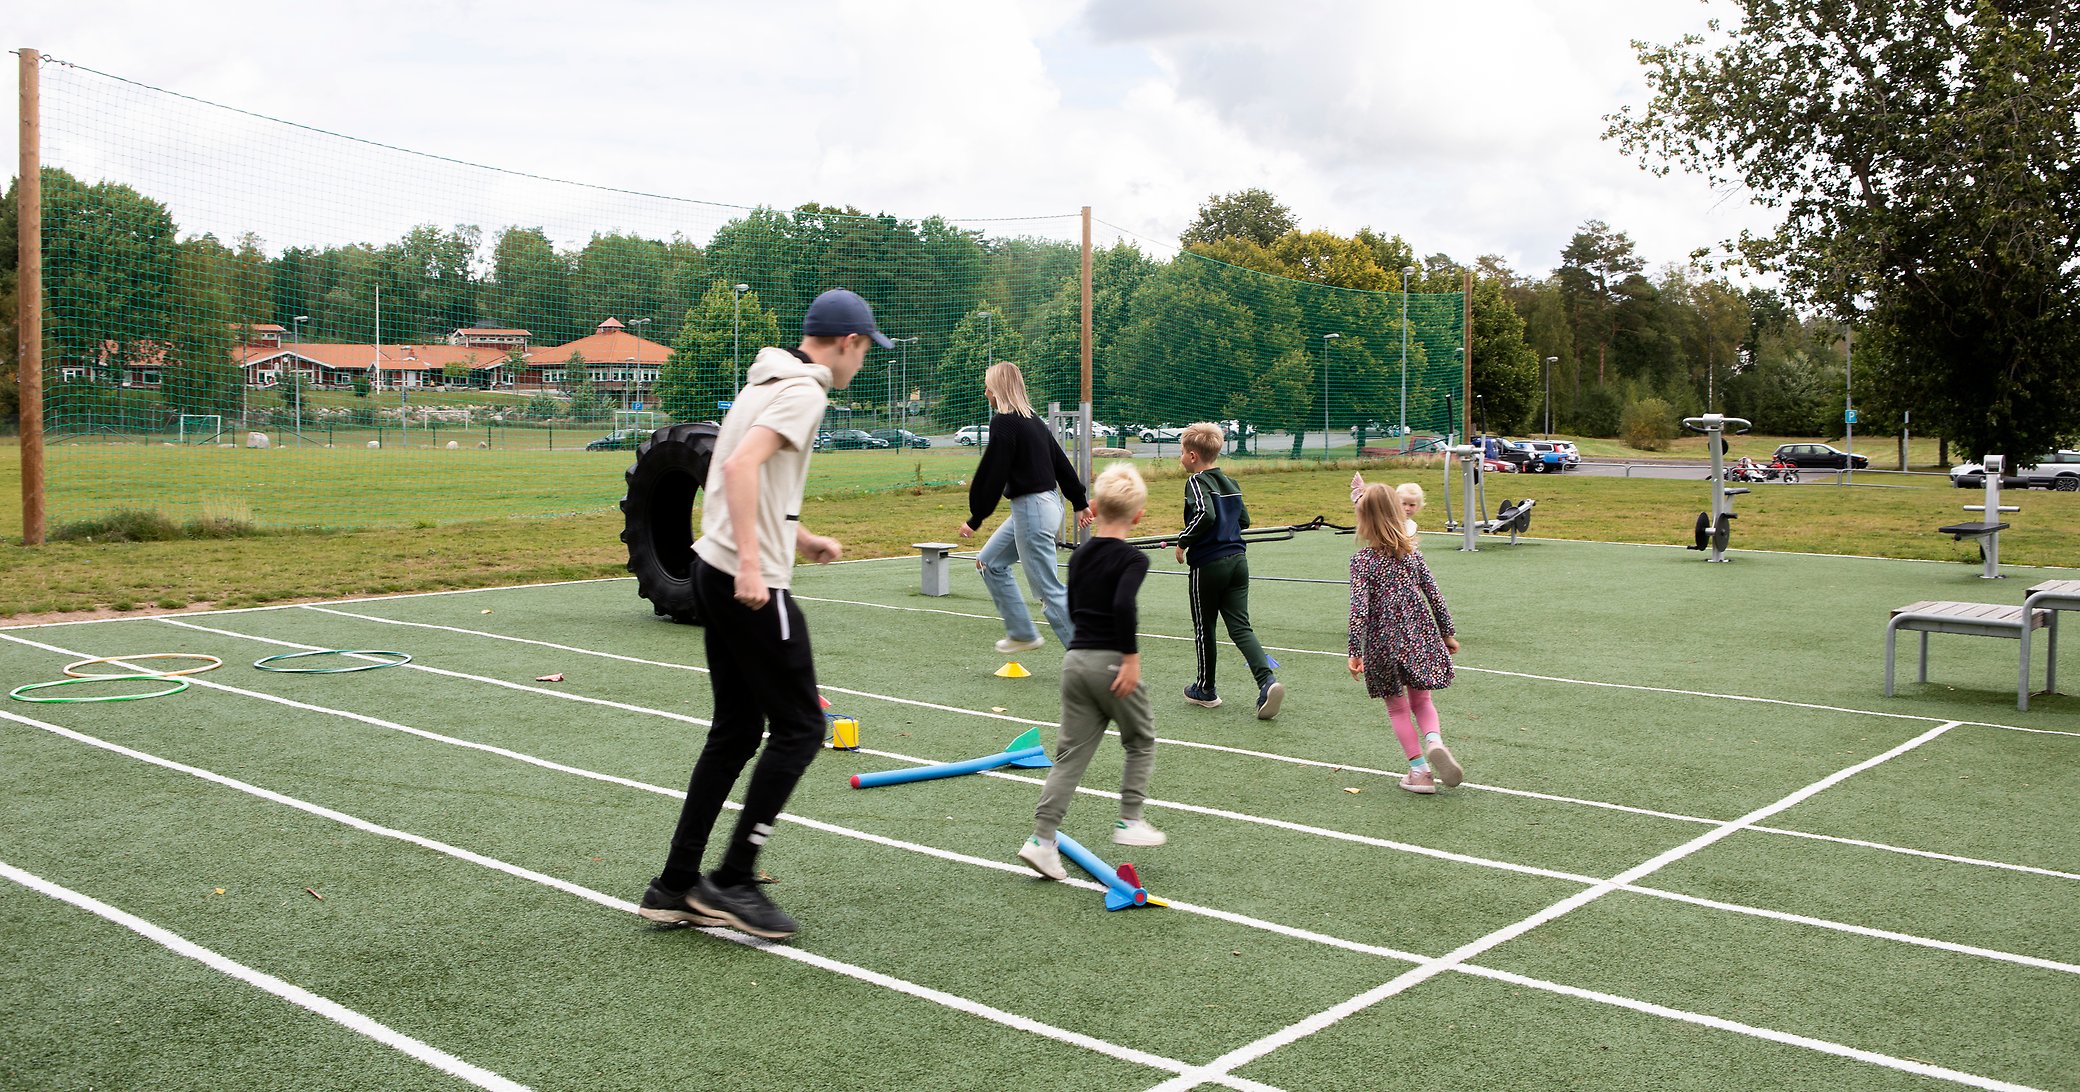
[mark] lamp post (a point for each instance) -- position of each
(903, 377)
(989, 351)
(1407, 271)
(637, 375)
(1326, 338)
(1548, 369)
(736, 323)
(296, 331)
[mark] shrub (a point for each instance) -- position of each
(1648, 424)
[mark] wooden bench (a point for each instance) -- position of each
(2052, 596)
(1971, 619)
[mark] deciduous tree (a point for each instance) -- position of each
(1925, 157)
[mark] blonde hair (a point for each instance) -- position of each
(1205, 440)
(1006, 387)
(1119, 493)
(1381, 523)
(1410, 491)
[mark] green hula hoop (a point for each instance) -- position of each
(21, 693)
(266, 663)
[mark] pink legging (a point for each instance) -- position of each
(1407, 710)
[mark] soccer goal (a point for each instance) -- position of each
(646, 420)
(200, 428)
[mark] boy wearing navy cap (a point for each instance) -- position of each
(759, 663)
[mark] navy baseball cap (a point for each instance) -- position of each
(840, 311)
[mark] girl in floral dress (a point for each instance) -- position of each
(1401, 637)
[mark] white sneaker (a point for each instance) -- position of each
(1447, 767)
(1044, 858)
(1137, 832)
(1008, 645)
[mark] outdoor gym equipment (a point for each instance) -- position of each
(1715, 527)
(670, 470)
(1988, 529)
(1249, 534)
(1513, 517)
(1024, 752)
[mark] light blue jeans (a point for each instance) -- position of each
(1028, 536)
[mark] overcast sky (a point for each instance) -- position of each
(1470, 128)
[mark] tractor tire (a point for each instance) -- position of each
(657, 514)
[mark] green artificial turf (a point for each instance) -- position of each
(1680, 694)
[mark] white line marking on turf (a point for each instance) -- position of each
(1195, 745)
(1185, 907)
(1429, 969)
(1909, 1065)
(1219, 813)
(293, 606)
(961, 1004)
(296, 995)
(1516, 674)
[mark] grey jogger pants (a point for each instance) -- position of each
(1088, 705)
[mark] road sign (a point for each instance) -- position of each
(1849, 417)
(724, 405)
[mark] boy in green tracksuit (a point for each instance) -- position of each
(1211, 544)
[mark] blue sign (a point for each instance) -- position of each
(1849, 417)
(724, 405)
(638, 407)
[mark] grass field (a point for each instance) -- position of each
(1883, 515)
(1697, 849)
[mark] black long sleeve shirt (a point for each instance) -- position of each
(1020, 458)
(1104, 580)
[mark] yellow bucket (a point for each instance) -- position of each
(844, 734)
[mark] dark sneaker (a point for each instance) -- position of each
(1196, 696)
(744, 907)
(1269, 698)
(667, 907)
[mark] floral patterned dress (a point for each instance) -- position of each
(1398, 623)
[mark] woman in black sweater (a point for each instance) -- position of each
(1022, 461)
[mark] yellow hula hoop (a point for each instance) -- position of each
(212, 665)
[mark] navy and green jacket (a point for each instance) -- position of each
(1214, 517)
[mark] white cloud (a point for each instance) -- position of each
(1467, 129)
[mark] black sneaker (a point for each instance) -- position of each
(667, 907)
(1207, 698)
(1269, 698)
(743, 906)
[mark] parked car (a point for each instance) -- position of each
(1500, 450)
(1548, 456)
(621, 439)
(1497, 466)
(1163, 435)
(840, 439)
(1099, 430)
(2059, 470)
(1818, 457)
(900, 437)
(972, 435)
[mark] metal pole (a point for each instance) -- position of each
(1325, 394)
(1849, 408)
(29, 297)
(736, 332)
(1550, 361)
(1084, 444)
(1406, 273)
(296, 372)
(637, 379)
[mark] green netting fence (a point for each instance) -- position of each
(252, 319)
